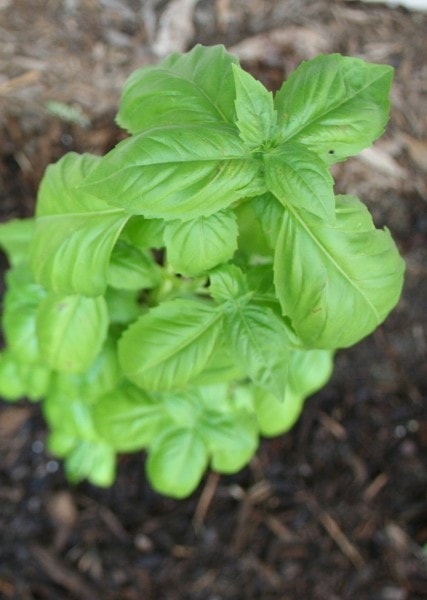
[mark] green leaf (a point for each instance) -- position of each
(177, 461)
(123, 305)
(71, 331)
(99, 379)
(176, 172)
(252, 241)
(132, 269)
(21, 301)
(269, 211)
(336, 283)
(170, 344)
(95, 461)
(192, 88)
(128, 418)
(194, 247)
(57, 191)
(309, 370)
(256, 117)
(298, 177)
(75, 232)
(227, 282)
(232, 439)
(12, 386)
(221, 367)
(259, 340)
(15, 237)
(335, 105)
(144, 233)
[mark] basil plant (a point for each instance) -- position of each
(186, 292)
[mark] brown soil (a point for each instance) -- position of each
(337, 509)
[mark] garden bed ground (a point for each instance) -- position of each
(336, 509)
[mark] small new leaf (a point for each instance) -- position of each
(196, 246)
(256, 117)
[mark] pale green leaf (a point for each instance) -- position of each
(336, 283)
(15, 237)
(144, 233)
(75, 232)
(309, 370)
(196, 246)
(298, 177)
(132, 269)
(128, 418)
(123, 305)
(12, 386)
(68, 410)
(20, 304)
(227, 282)
(194, 88)
(221, 367)
(232, 439)
(176, 172)
(252, 241)
(259, 340)
(71, 331)
(95, 461)
(176, 462)
(256, 117)
(269, 211)
(170, 344)
(334, 105)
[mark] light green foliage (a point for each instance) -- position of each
(185, 293)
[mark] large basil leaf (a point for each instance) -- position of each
(337, 283)
(298, 177)
(196, 246)
(335, 105)
(75, 231)
(170, 344)
(196, 87)
(71, 331)
(176, 172)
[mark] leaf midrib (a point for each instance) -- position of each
(300, 130)
(332, 260)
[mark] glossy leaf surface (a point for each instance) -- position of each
(170, 344)
(75, 232)
(71, 331)
(326, 275)
(176, 172)
(194, 88)
(196, 246)
(334, 105)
